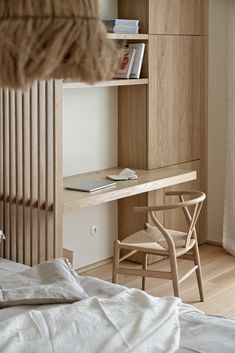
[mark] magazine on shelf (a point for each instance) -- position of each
(123, 29)
(139, 55)
(125, 62)
(121, 22)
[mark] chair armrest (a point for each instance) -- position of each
(187, 193)
(199, 197)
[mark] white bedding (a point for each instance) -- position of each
(131, 321)
(47, 283)
(197, 332)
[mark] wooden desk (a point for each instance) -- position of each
(148, 180)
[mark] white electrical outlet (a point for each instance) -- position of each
(94, 230)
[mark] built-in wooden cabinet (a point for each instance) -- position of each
(164, 123)
(161, 122)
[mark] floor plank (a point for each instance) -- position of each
(218, 268)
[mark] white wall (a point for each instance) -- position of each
(89, 129)
(218, 41)
(108, 9)
(90, 143)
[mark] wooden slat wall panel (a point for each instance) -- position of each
(30, 184)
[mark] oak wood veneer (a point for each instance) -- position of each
(218, 270)
(175, 107)
(184, 17)
(30, 172)
(187, 17)
(171, 97)
(147, 180)
(171, 112)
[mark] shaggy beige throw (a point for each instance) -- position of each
(43, 39)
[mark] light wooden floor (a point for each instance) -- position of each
(218, 281)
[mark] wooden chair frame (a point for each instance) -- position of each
(189, 251)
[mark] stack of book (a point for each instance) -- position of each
(130, 60)
(122, 26)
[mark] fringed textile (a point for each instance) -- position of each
(44, 39)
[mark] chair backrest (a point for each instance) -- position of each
(193, 216)
(194, 203)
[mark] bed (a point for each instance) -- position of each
(109, 318)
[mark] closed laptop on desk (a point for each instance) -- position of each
(90, 185)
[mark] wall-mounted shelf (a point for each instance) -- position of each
(121, 82)
(114, 82)
(148, 180)
(127, 36)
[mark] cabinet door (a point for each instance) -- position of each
(178, 17)
(176, 99)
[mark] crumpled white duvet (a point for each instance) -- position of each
(130, 321)
(202, 333)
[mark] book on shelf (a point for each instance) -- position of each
(125, 62)
(123, 29)
(122, 26)
(138, 60)
(121, 22)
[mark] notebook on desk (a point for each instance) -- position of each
(90, 185)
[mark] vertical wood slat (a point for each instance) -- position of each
(30, 172)
(26, 176)
(41, 169)
(57, 167)
(12, 128)
(1, 169)
(6, 169)
(19, 178)
(34, 217)
(49, 169)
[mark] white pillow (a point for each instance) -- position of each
(47, 283)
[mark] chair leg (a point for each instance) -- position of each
(175, 275)
(116, 254)
(145, 265)
(197, 262)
